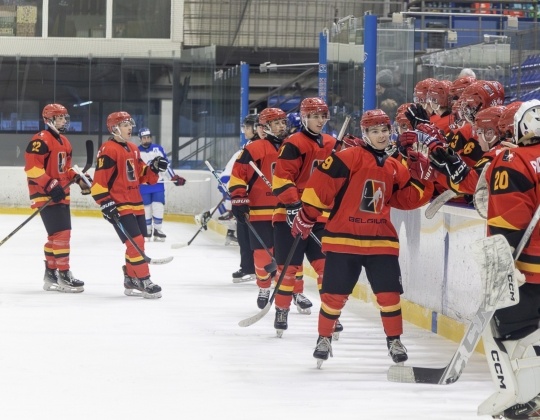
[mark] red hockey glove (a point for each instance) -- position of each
(301, 225)
(178, 180)
(55, 190)
(240, 208)
(350, 141)
(435, 137)
(419, 165)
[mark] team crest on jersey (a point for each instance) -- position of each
(61, 162)
(373, 196)
(508, 156)
(130, 170)
(315, 164)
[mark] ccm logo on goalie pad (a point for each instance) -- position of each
(497, 367)
(511, 289)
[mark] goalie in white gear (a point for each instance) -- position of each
(513, 345)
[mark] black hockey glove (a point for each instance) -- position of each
(416, 114)
(109, 210)
(450, 164)
(240, 208)
(292, 210)
(55, 190)
(158, 164)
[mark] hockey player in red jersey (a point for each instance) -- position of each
(359, 185)
(298, 157)
(48, 171)
(119, 172)
(250, 197)
(514, 186)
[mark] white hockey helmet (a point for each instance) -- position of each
(527, 123)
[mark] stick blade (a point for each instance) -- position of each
(179, 245)
(160, 261)
(438, 202)
(255, 318)
(415, 375)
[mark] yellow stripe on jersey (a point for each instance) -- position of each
(501, 223)
(278, 182)
(391, 308)
(234, 182)
(35, 172)
(531, 268)
(130, 207)
(361, 243)
(134, 260)
(98, 189)
(329, 310)
(310, 197)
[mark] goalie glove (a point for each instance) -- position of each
(450, 164)
(419, 165)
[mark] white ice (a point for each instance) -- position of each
(103, 355)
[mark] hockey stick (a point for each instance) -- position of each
(259, 172)
(438, 202)
(342, 133)
(139, 250)
(188, 181)
(203, 226)
(272, 265)
(255, 318)
(497, 263)
(87, 165)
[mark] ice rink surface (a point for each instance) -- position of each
(102, 355)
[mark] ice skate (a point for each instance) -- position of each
(280, 323)
(140, 287)
(226, 216)
(148, 234)
(529, 410)
(50, 279)
(262, 298)
(69, 284)
(323, 349)
(303, 304)
(230, 238)
(241, 276)
(159, 236)
(337, 329)
(396, 350)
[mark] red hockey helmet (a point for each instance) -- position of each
(312, 106)
(402, 121)
(421, 90)
(271, 114)
(506, 121)
(486, 126)
(373, 118)
(459, 85)
(114, 119)
(54, 110)
(438, 94)
(480, 95)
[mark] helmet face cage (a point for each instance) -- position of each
(313, 106)
(527, 123)
(402, 122)
(421, 90)
(115, 119)
(54, 110)
(486, 124)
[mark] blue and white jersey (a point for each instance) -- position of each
(147, 154)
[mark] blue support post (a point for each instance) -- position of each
(323, 66)
(370, 62)
(244, 96)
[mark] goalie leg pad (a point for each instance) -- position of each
(515, 370)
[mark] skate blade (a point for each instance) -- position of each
(151, 295)
(159, 239)
(53, 287)
(319, 363)
(305, 311)
(279, 333)
(246, 278)
(132, 292)
(335, 336)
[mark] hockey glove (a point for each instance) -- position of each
(109, 210)
(158, 164)
(406, 142)
(450, 164)
(416, 114)
(301, 225)
(55, 191)
(419, 165)
(292, 210)
(240, 208)
(85, 189)
(178, 180)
